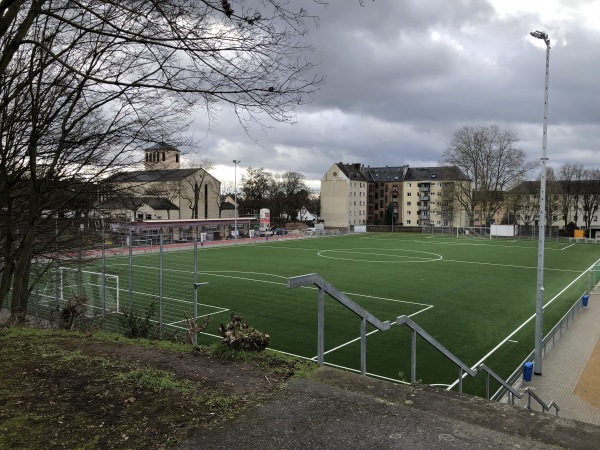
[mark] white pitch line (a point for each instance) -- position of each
(345, 344)
(507, 338)
(512, 266)
(567, 247)
(393, 322)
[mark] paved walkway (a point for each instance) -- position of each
(565, 363)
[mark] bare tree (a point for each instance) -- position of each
(490, 158)
(295, 193)
(590, 197)
(570, 176)
(553, 195)
(227, 190)
(86, 85)
(255, 190)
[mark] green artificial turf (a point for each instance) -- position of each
(468, 293)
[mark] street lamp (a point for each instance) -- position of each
(235, 163)
(539, 303)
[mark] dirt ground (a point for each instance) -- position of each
(68, 390)
(588, 386)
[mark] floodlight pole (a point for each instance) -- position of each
(539, 303)
(235, 163)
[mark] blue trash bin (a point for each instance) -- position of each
(584, 300)
(527, 371)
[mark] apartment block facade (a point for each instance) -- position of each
(354, 194)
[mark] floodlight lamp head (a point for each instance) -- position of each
(540, 35)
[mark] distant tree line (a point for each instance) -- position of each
(499, 172)
(284, 195)
(85, 86)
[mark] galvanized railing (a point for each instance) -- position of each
(325, 287)
(416, 329)
(366, 316)
(509, 388)
(540, 402)
(547, 343)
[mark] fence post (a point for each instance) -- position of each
(413, 358)
(102, 284)
(321, 328)
(195, 338)
(363, 346)
(160, 289)
(130, 270)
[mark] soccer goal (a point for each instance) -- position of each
(101, 292)
(473, 232)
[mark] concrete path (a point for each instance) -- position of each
(565, 363)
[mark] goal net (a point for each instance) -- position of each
(101, 292)
(473, 232)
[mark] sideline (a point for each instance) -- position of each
(497, 347)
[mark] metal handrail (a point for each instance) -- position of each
(366, 316)
(439, 347)
(550, 337)
(489, 372)
(540, 401)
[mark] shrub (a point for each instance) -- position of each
(137, 326)
(74, 308)
(237, 334)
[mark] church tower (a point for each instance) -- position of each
(162, 156)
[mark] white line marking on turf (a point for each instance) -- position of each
(217, 273)
(507, 265)
(491, 352)
(567, 247)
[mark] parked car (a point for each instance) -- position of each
(280, 231)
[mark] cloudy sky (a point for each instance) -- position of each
(403, 75)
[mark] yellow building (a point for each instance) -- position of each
(354, 194)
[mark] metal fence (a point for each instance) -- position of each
(547, 343)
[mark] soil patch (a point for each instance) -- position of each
(68, 390)
(588, 386)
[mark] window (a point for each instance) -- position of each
(409, 184)
(408, 203)
(408, 194)
(176, 158)
(408, 222)
(163, 156)
(408, 213)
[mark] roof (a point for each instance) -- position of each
(149, 176)
(353, 171)
(443, 173)
(385, 174)
(162, 146)
(359, 172)
(156, 203)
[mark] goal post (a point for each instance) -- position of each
(101, 292)
(473, 232)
